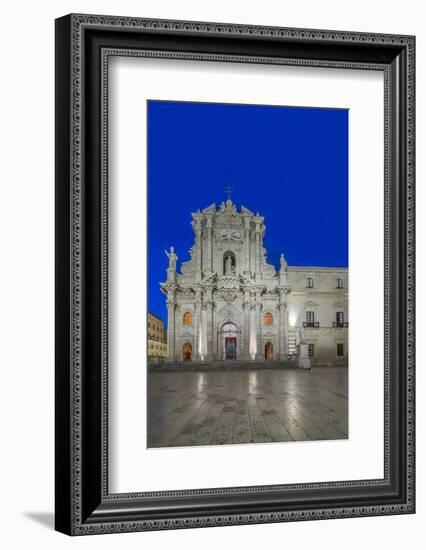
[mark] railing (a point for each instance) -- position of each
(315, 324)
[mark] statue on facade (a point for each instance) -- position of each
(229, 265)
(172, 258)
(283, 263)
(301, 331)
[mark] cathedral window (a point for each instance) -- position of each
(187, 319)
(309, 282)
(339, 283)
(268, 319)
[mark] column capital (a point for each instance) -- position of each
(197, 218)
(283, 293)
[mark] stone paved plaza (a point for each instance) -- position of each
(247, 406)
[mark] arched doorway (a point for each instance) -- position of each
(269, 350)
(229, 341)
(187, 352)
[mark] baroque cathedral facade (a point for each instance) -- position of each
(228, 303)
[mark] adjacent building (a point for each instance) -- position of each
(228, 303)
(157, 338)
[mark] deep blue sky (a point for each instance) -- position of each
(288, 163)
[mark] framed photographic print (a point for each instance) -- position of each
(234, 274)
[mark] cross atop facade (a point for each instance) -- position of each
(229, 190)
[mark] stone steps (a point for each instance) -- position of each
(200, 366)
(221, 365)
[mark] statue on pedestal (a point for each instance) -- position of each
(172, 258)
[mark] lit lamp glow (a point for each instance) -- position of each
(292, 318)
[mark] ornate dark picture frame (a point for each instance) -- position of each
(83, 45)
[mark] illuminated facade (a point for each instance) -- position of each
(157, 344)
(229, 303)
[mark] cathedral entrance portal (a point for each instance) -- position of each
(187, 352)
(229, 336)
(269, 353)
(230, 347)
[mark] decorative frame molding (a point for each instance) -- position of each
(84, 43)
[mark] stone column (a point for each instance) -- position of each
(203, 332)
(246, 244)
(197, 325)
(246, 328)
(209, 256)
(171, 331)
(196, 224)
(210, 326)
(257, 237)
(214, 334)
(283, 326)
(258, 220)
(260, 356)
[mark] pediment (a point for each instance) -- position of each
(211, 209)
(228, 218)
(246, 211)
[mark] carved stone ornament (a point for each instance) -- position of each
(230, 235)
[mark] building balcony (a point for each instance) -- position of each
(340, 325)
(310, 324)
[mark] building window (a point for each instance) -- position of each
(310, 316)
(311, 350)
(339, 283)
(340, 351)
(340, 318)
(187, 319)
(268, 319)
(309, 282)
